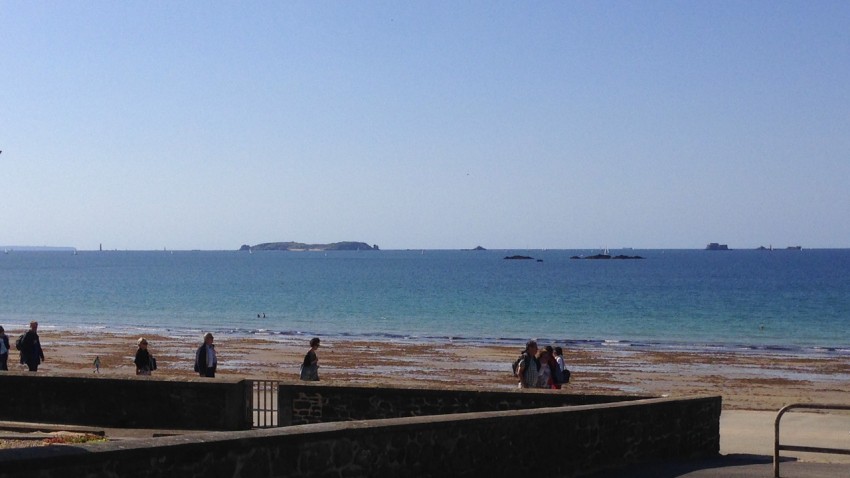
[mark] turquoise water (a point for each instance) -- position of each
(749, 300)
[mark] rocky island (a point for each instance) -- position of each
(300, 246)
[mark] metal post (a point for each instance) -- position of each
(808, 449)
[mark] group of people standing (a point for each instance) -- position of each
(542, 368)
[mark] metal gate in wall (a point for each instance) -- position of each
(264, 403)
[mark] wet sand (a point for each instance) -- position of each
(745, 380)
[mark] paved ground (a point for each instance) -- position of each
(733, 466)
(746, 448)
(751, 432)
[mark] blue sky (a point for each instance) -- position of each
(207, 125)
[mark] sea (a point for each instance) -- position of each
(786, 301)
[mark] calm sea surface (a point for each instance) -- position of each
(794, 301)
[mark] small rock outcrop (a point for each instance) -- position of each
(607, 256)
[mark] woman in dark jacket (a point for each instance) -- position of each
(310, 365)
(144, 360)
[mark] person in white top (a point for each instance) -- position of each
(559, 358)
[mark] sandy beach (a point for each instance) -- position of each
(745, 380)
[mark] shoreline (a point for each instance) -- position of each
(592, 345)
(746, 380)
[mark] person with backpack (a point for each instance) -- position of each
(527, 366)
(145, 363)
(30, 347)
(4, 349)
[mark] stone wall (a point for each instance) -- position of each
(590, 438)
(132, 402)
(314, 403)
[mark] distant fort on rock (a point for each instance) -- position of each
(300, 246)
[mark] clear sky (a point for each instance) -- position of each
(426, 124)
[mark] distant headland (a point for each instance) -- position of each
(8, 249)
(789, 248)
(300, 246)
(714, 246)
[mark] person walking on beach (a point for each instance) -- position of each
(310, 365)
(31, 353)
(205, 360)
(4, 349)
(144, 360)
(528, 366)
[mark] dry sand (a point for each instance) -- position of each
(745, 380)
